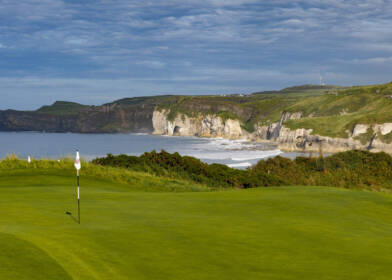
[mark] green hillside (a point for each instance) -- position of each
(333, 114)
(129, 233)
(60, 108)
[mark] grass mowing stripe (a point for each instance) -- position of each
(22, 260)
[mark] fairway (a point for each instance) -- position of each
(264, 233)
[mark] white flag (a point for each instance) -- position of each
(77, 161)
(28, 159)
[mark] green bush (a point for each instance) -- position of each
(177, 166)
(347, 169)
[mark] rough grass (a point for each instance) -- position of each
(266, 233)
(137, 180)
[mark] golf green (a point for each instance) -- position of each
(265, 233)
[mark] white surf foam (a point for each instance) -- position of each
(237, 165)
(140, 133)
(235, 153)
(256, 155)
(226, 150)
(209, 156)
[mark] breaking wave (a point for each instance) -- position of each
(239, 165)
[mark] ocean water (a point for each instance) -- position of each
(234, 153)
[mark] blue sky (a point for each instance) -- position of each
(98, 51)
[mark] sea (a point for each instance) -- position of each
(234, 153)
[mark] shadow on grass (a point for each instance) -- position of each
(72, 217)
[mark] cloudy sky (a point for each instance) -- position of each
(95, 51)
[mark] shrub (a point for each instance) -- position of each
(177, 166)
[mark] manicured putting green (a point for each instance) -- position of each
(265, 233)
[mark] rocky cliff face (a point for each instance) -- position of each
(304, 139)
(91, 119)
(288, 140)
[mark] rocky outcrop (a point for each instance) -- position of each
(360, 129)
(304, 139)
(289, 140)
(384, 128)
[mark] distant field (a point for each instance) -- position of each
(264, 233)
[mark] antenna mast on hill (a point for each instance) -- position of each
(321, 80)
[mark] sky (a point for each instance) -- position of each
(96, 51)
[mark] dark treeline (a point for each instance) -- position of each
(348, 169)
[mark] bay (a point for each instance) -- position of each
(235, 153)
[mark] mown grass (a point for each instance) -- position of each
(265, 233)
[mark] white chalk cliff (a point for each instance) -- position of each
(202, 126)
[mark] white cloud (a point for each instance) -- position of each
(368, 61)
(113, 24)
(155, 64)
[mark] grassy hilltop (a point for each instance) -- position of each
(139, 226)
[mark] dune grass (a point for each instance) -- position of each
(264, 233)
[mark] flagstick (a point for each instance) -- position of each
(78, 166)
(77, 173)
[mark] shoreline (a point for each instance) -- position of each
(231, 152)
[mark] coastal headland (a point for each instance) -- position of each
(303, 118)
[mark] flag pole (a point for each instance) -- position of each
(78, 166)
(77, 175)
